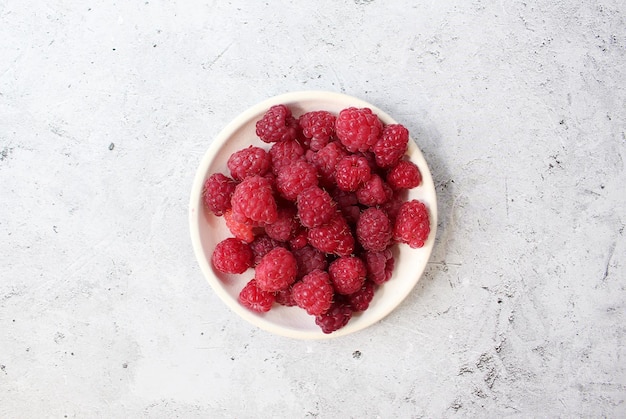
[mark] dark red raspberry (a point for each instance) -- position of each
(284, 297)
(360, 300)
(358, 129)
(334, 237)
(217, 192)
(351, 172)
(241, 230)
(299, 240)
(374, 230)
(284, 153)
(295, 178)
(309, 259)
(337, 316)
(314, 293)
(412, 224)
(277, 125)
(379, 266)
(261, 246)
(347, 202)
(254, 199)
(256, 299)
(374, 192)
(285, 226)
(232, 256)
(392, 206)
(404, 175)
(347, 274)
(249, 161)
(392, 145)
(315, 207)
(326, 161)
(277, 270)
(319, 127)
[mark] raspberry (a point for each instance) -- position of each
(285, 226)
(295, 178)
(253, 198)
(379, 266)
(334, 237)
(277, 125)
(277, 270)
(392, 145)
(314, 293)
(284, 297)
(374, 192)
(309, 259)
(315, 207)
(326, 160)
(351, 172)
(392, 206)
(256, 299)
(249, 161)
(404, 175)
(360, 300)
(232, 256)
(261, 246)
(218, 189)
(318, 126)
(347, 274)
(412, 224)
(241, 230)
(299, 240)
(374, 230)
(337, 316)
(284, 153)
(358, 129)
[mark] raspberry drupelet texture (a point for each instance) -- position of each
(336, 317)
(254, 199)
(285, 226)
(334, 237)
(351, 172)
(326, 161)
(314, 293)
(261, 246)
(404, 175)
(299, 240)
(249, 161)
(277, 125)
(360, 300)
(358, 128)
(374, 192)
(412, 224)
(284, 297)
(232, 256)
(315, 207)
(392, 145)
(309, 259)
(318, 127)
(217, 192)
(347, 274)
(276, 270)
(241, 230)
(379, 266)
(374, 230)
(284, 153)
(256, 299)
(295, 178)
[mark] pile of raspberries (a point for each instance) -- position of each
(317, 212)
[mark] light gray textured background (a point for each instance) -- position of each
(106, 108)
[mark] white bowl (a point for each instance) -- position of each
(207, 230)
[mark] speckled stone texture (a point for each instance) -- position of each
(106, 108)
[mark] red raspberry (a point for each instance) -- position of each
(360, 300)
(351, 172)
(412, 224)
(358, 129)
(374, 192)
(299, 240)
(392, 206)
(254, 199)
(337, 316)
(284, 297)
(284, 153)
(309, 259)
(318, 126)
(217, 192)
(232, 256)
(347, 274)
(277, 270)
(374, 230)
(256, 299)
(314, 293)
(379, 266)
(392, 145)
(261, 246)
(277, 125)
(241, 230)
(404, 175)
(285, 226)
(334, 237)
(315, 207)
(249, 161)
(326, 161)
(295, 178)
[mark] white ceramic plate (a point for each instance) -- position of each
(207, 230)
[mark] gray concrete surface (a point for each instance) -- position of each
(106, 108)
